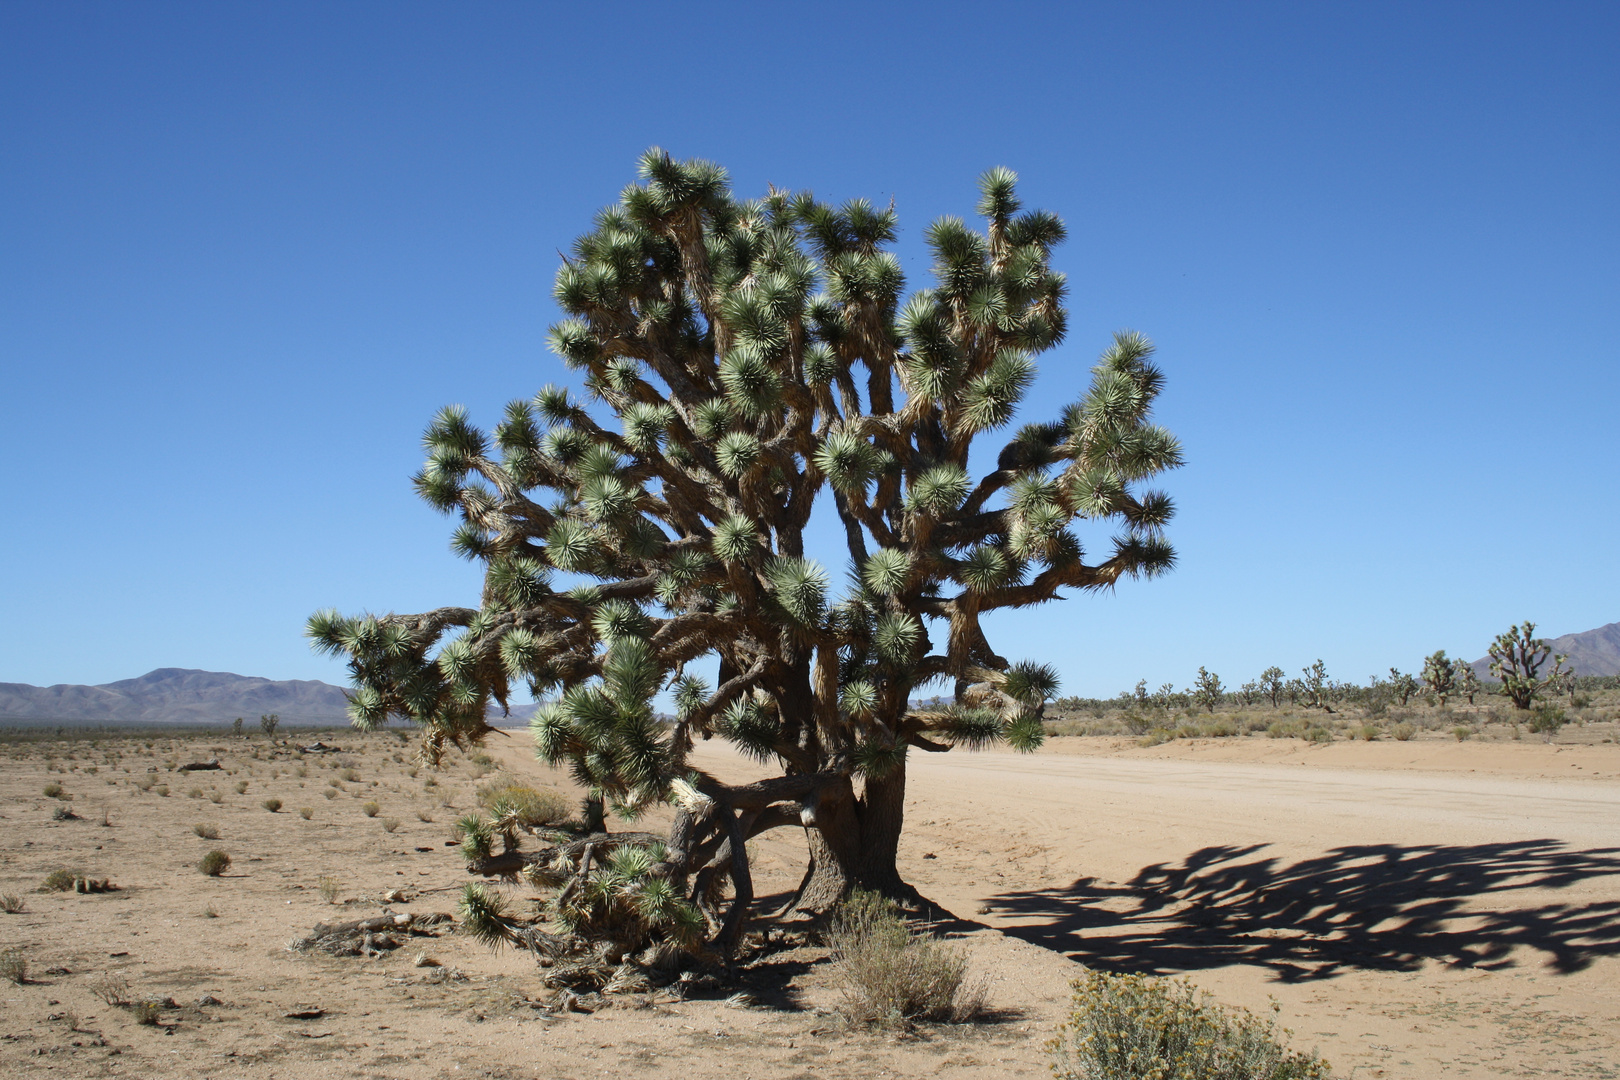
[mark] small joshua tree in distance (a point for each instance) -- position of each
(1403, 684)
(268, 722)
(1439, 675)
(1516, 656)
(1271, 684)
(1207, 689)
(1467, 681)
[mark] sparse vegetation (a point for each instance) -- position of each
(523, 805)
(306, 812)
(214, 863)
(268, 724)
(1133, 1027)
(328, 888)
(390, 824)
(53, 790)
(272, 804)
(12, 904)
(58, 881)
(14, 964)
(112, 988)
(890, 975)
(370, 807)
(207, 832)
(241, 787)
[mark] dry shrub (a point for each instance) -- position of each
(145, 1012)
(390, 824)
(1134, 1027)
(214, 863)
(14, 965)
(524, 805)
(112, 987)
(272, 805)
(58, 881)
(306, 813)
(53, 790)
(241, 787)
(1402, 731)
(370, 808)
(12, 904)
(207, 832)
(329, 887)
(891, 976)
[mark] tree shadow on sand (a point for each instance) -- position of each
(1380, 907)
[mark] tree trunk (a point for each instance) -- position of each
(854, 843)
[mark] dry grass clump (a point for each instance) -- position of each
(306, 812)
(14, 965)
(145, 1013)
(207, 832)
(890, 976)
(272, 805)
(112, 988)
(523, 805)
(12, 904)
(370, 807)
(241, 787)
(329, 887)
(53, 790)
(58, 881)
(1133, 1027)
(214, 863)
(390, 824)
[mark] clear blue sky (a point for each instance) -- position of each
(246, 250)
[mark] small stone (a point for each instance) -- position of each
(984, 909)
(423, 960)
(209, 999)
(393, 896)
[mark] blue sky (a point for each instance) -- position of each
(246, 250)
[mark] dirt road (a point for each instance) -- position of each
(1419, 922)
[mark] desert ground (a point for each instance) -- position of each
(1415, 909)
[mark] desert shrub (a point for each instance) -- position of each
(241, 787)
(272, 805)
(11, 904)
(163, 790)
(14, 965)
(1133, 1027)
(53, 790)
(112, 988)
(1402, 732)
(1546, 720)
(216, 797)
(328, 887)
(889, 975)
(145, 1013)
(214, 863)
(370, 807)
(1462, 732)
(330, 794)
(63, 812)
(1368, 732)
(58, 881)
(146, 782)
(306, 813)
(390, 824)
(350, 775)
(1317, 735)
(195, 793)
(423, 815)
(207, 832)
(208, 912)
(523, 805)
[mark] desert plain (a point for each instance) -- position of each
(1427, 908)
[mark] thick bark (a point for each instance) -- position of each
(854, 843)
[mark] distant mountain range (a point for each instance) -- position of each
(186, 696)
(1594, 652)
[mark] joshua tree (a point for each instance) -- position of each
(268, 722)
(1207, 690)
(1248, 692)
(1315, 687)
(1403, 684)
(1516, 657)
(759, 357)
(1467, 681)
(236, 726)
(1439, 675)
(1271, 684)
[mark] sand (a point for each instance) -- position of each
(1428, 908)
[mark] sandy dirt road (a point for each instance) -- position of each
(1416, 922)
